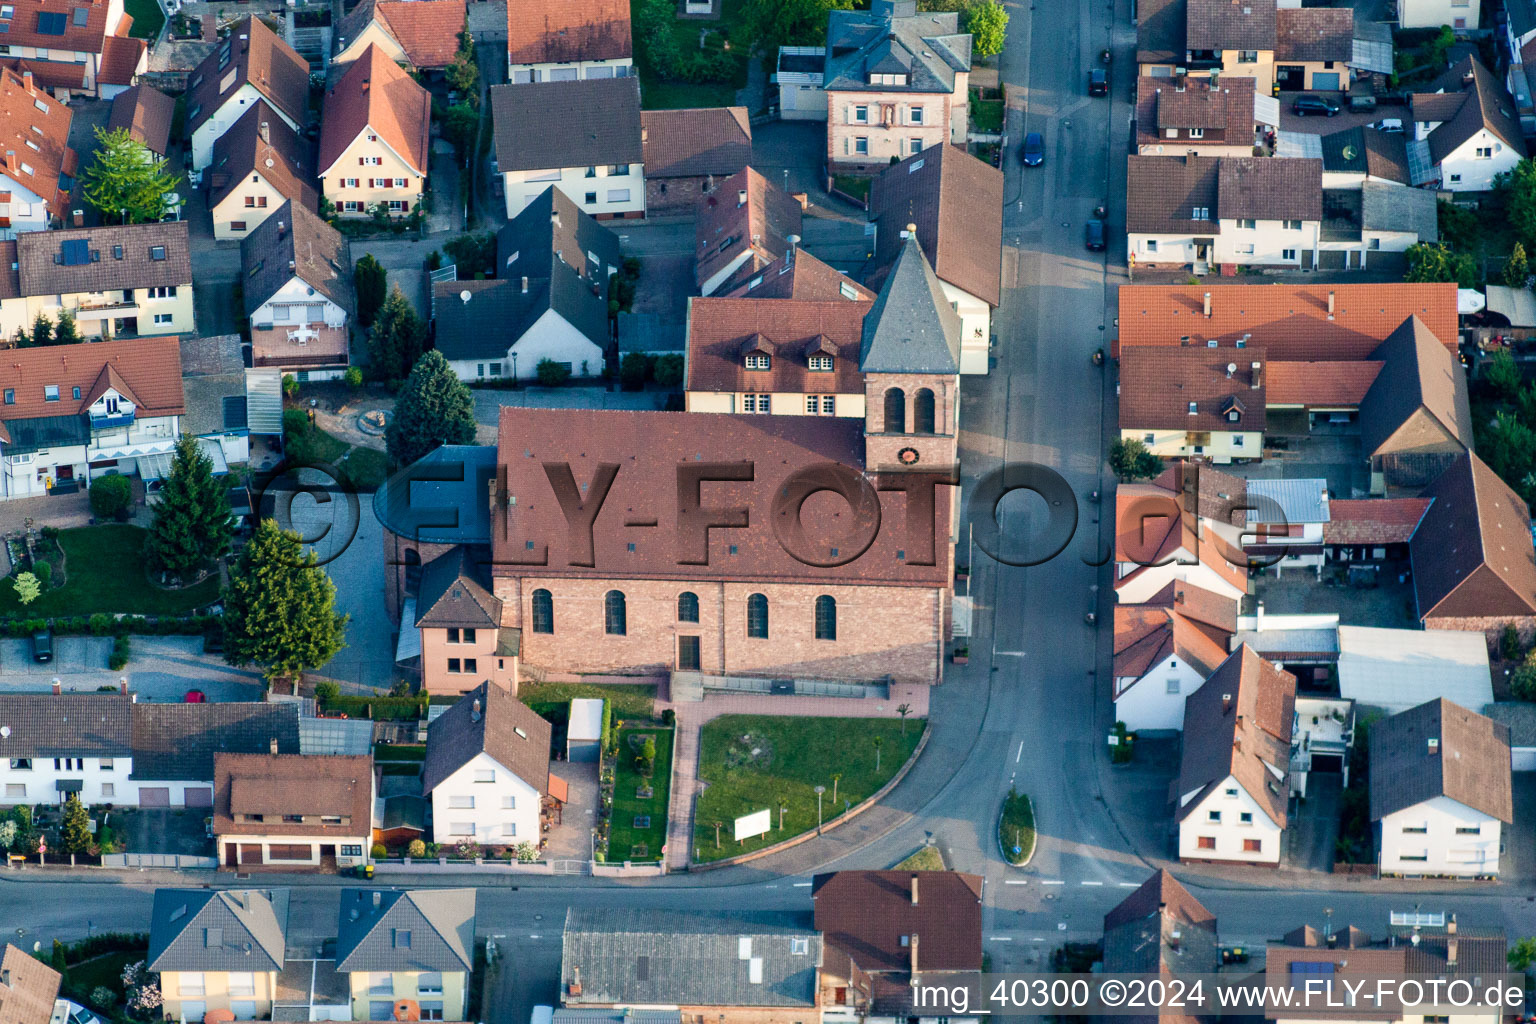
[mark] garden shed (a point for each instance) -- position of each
(584, 731)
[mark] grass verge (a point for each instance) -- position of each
(1016, 828)
(105, 571)
(924, 858)
(624, 834)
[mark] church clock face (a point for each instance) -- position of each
(907, 456)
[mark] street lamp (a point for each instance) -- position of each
(819, 790)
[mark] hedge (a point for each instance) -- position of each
(102, 624)
(380, 709)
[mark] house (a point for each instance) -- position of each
(1375, 217)
(423, 34)
(555, 265)
(558, 40)
(73, 48)
(1208, 38)
(213, 383)
(582, 136)
(1286, 520)
(1440, 790)
(785, 356)
(799, 275)
(146, 115)
(740, 967)
(1160, 930)
(217, 950)
(686, 154)
(1397, 669)
(291, 811)
(1373, 529)
(1314, 47)
(954, 202)
(72, 413)
(379, 117)
(1363, 154)
(458, 621)
(1194, 115)
(1183, 402)
(39, 168)
(1164, 650)
(175, 745)
(1178, 528)
(116, 281)
(298, 290)
(1207, 212)
(884, 932)
(487, 770)
(1465, 126)
(1305, 645)
(123, 60)
(416, 944)
(251, 64)
(1459, 14)
(1486, 580)
(1416, 419)
(258, 164)
(745, 225)
(1233, 777)
(28, 987)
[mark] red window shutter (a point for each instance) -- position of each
(360, 161)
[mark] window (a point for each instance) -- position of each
(1248, 56)
(10, 396)
(352, 851)
(470, 665)
(165, 318)
(914, 145)
(860, 115)
(687, 606)
(50, 392)
(1200, 213)
(759, 361)
(108, 790)
(370, 161)
(543, 612)
(591, 172)
(1415, 830)
(1414, 856)
(755, 403)
(1292, 225)
(157, 252)
(509, 828)
(1253, 846)
(1213, 816)
(1173, 685)
(1485, 152)
(757, 616)
(462, 828)
(21, 764)
(166, 291)
(1455, 179)
(821, 364)
(485, 774)
(922, 412)
(349, 183)
(590, 198)
(381, 1010)
(430, 983)
(432, 1010)
(15, 790)
(915, 115)
(1288, 254)
(799, 946)
(618, 170)
(1151, 245)
(1197, 133)
(1245, 818)
(1245, 250)
(1237, 439)
(509, 803)
(618, 195)
(454, 665)
(1247, 223)
(826, 617)
(614, 613)
(895, 411)
(1475, 830)
(401, 182)
(464, 803)
(242, 983)
(1206, 842)
(190, 983)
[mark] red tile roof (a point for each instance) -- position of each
(120, 57)
(1239, 724)
(1337, 385)
(376, 94)
(28, 987)
(428, 30)
(1472, 553)
(555, 31)
(746, 211)
(50, 74)
(1152, 528)
(1181, 619)
(799, 275)
(1373, 520)
(1158, 385)
(252, 53)
(787, 330)
(86, 38)
(692, 143)
(866, 917)
(35, 127)
(149, 367)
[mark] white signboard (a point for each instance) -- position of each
(754, 824)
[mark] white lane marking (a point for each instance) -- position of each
(1012, 654)
(802, 885)
(1001, 938)
(533, 936)
(1092, 883)
(1130, 885)
(1020, 753)
(1053, 881)
(1037, 939)
(1016, 881)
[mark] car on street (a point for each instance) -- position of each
(42, 646)
(195, 697)
(1307, 103)
(1093, 235)
(1098, 82)
(1034, 150)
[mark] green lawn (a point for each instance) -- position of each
(105, 572)
(852, 185)
(147, 18)
(924, 858)
(627, 806)
(105, 971)
(786, 758)
(552, 700)
(367, 468)
(415, 752)
(986, 115)
(657, 93)
(1016, 827)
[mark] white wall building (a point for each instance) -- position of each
(251, 64)
(1461, 15)
(487, 770)
(1164, 650)
(1465, 125)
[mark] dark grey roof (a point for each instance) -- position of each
(1419, 376)
(456, 590)
(616, 1016)
(177, 741)
(153, 255)
(488, 719)
(211, 355)
(1385, 207)
(1362, 150)
(215, 404)
(579, 123)
(294, 242)
(911, 328)
(39, 432)
(552, 230)
(65, 725)
(651, 957)
(442, 498)
(227, 930)
(892, 38)
(1271, 188)
(405, 811)
(1469, 761)
(395, 930)
(1518, 717)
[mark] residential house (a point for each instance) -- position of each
(1465, 126)
(213, 383)
(954, 202)
(1202, 38)
(687, 153)
(116, 281)
(39, 167)
(1486, 580)
(1416, 419)
(1164, 650)
(458, 621)
(487, 770)
(1286, 520)
(251, 64)
(217, 950)
(1233, 777)
(1161, 931)
(883, 932)
(1375, 217)
(297, 271)
(422, 34)
(145, 114)
(291, 811)
(1179, 527)
(374, 132)
(412, 944)
(1207, 212)
(1195, 115)
(174, 745)
(582, 136)
(799, 275)
(1373, 529)
(123, 60)
(789, 357)
(742, 968)
(747, 224)
(1398, 669)
(554, 267)
(72, 48)
(1363, 154)
(1461, 15)
(258, 165)
(1314, 47)
(72, 413)
(1440, 791)
(1201, 402)
(557, 41)
(28, 988)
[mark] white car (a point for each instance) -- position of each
(1389, 124)
(66, 1012)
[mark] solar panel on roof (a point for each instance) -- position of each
(76, 252)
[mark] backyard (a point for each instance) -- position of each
(639, 823)
(751, 763)
(689, 62)
(552, 701)
(366, 468)
(104, 571)
(147, 18)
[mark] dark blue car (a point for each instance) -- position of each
(1034, 150)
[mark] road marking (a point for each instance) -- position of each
(773, 885)
(1053, 881)
(533, 936)
(1092, 883)
(1037, 939)
(1017, 881)
(802, 885)
(1001, 938)
(1130, 885)
(1020, 753)
(1011, 654)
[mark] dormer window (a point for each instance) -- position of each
(821, 363)
(50, 392)
(758, 361)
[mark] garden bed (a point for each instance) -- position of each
(638, 825)
(986, 111)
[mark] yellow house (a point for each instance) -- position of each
(258, 165)
(1289, 49)
(217, 950)
(1189, 402)
(406, 947)
(374, 138)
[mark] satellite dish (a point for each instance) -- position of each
(36, 946)
(1231, 368)
(5, 732)
(269, 161)
(465, 296)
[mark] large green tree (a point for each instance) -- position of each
(127, 184)
(1131, 460)
(1431, 261)
(775, 23)
(192, 524)
(280, 606)
(1519, 189)
(65, 332)
(463, 74)
(75, 831)
(370, 281)
(397, 338)
(987, 22)
(434, 408)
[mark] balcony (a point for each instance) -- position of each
(103, 310)
(107, 421)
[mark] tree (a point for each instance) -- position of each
(904, 710)
(552, 374)
(1522, 954)
(776, 23)
(27, 587)
(353, 378)
(460, 123)
(1510, 647)
(669, 370)
(397, 339)
(879, 742)
(127, 184)
(110, 496)
(1130, 460)
(1504, 375)
(463, 74)
(193, 524)
(987, 22)
(42, 330)
(7, 834)
(434, 408)
(65, 332)
(633, 370)
(280, 606)
(1508, 445)
(1517, 269)
(472, 254)
(75, 832)
(370, 282)
(1433, 261)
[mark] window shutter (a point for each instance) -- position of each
(360, 161)
(850, 114)
(847, 145)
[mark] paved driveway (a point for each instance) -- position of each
(160, 668)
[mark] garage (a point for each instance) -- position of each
(1325, 81)
(155, 796)
(584, 730)
(199, 796)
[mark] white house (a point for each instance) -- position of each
(1164, 650)
(1160, 541)
(582, 136)
(1461, 15)
(1233, 781)
(1465, 125)
(297, 272)
(292, 810)
(560, 41)
(1440, 791)
(38, 164)
(487, 770)
(252, 64)
(1285, 528)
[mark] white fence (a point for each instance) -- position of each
(157, 860)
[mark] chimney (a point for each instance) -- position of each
(741, 198)
(1226, 703)
(1173, 939)
(282, 229)
(265, 131)
(1451, 949)
(1450, 926)
(525, 285)
(272, 746)
(1331, 939)
(365, 85)
(645, 134)
(1259, 616)
(26, 80)
(554, 217)
(914, 890)
(1330, 304)
(57, 686)
(1207, 305)
(914, 955)
(122, 684)
(1256, 379)
(575, 986)
(474, 709)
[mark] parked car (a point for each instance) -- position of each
(1093, 235)
(195, 697)
(1034, 150)
(42, 646)
(1098, 82)
(1307, 103)
(1389, 124)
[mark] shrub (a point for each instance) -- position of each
(669, 370)
(525, 852)
(290, 385)
(102, 998)
(466, 849)
(416, 849)
(27, 587)
(111, 496)
(635, 367)
(353, 378)
(378, 851)
(552, 374)
(669, 717)
(120, 651)
(44, 573)
(101, 624)
(325, 692)
(1509, 644)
